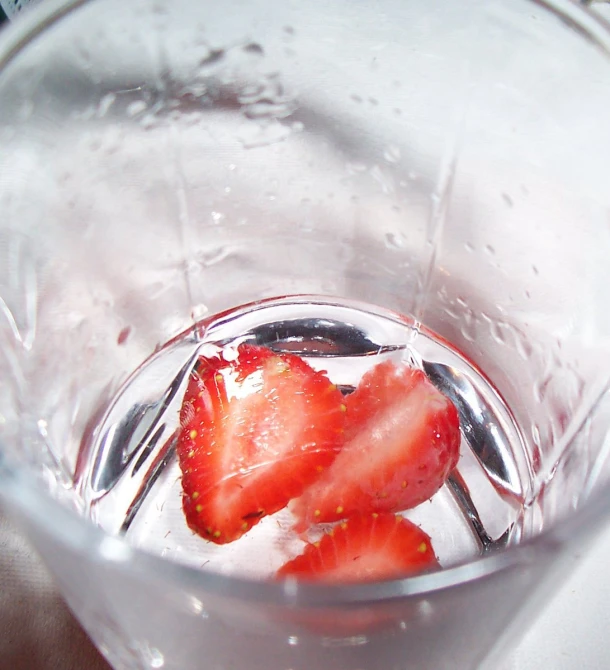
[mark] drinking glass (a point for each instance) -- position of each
(440, 168)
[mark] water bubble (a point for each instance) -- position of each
(217, 217)
(293, 640)
(297, 127)
(392, 154)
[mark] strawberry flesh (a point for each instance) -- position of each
(402, 439)
(255, 432)
(365, 547)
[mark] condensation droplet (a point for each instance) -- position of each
(136, 107)
(490, 250)
(152, 657)
(356, 98)
(535, 270)
(497, 332)
(148, 122)
(392, 154)
(536, 435)
(253, 48)
(468, 246)
(253, 135)
(213, 58)
(124, 335)
(199, 311)
(297, 127)
(289, 30)
(293, 640)
(523, 346)
(26, 109)
(355, 167)
(105, 104)
(507, 199)
(394, 241)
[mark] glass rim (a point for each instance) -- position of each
(22, 494)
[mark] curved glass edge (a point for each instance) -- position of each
(20, 492)
(73, 532)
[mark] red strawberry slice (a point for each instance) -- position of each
(255, 433)
(366, 547)
(402, 441)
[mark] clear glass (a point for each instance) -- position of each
(164, 161)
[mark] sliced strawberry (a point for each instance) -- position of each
(255, 433)
(366, 547)
(402, 441)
